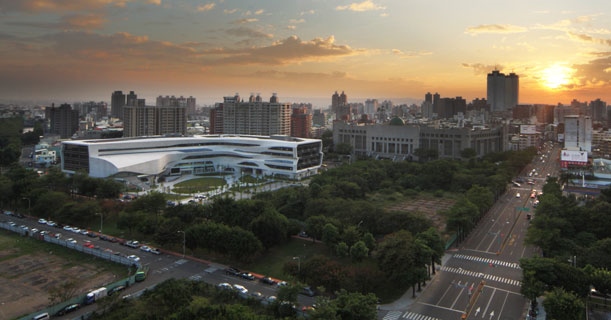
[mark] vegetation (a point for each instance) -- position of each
(575, 239)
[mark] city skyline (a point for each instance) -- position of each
(71, 50)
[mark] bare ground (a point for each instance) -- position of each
(430, 207)
(26, 280)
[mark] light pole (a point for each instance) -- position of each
(184, 240)
(29, 205)
(298, 264)
(101, 220)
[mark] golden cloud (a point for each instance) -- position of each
(64, 5)
(494, 28)
(206, 7)
(366, 5)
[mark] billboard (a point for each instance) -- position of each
(528, 129)
(574, 156)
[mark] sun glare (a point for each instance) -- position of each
(556, 76)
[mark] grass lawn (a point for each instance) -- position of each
(199, 185)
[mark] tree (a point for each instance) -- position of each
(481, 197)
(271, 228)
(433, 240)
(130, 220)
(330, 235)
(562, 305)
(356, 306)
(359, 251)
(396, 257)
(343, 148)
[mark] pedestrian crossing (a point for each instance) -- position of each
(482, 275)
(396, 315)
(488, 261)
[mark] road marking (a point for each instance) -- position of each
(488, 261)
(417, 316)
(393, 315)
(480, 275)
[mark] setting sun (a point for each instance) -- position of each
(556, 76)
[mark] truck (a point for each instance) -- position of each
(95, 295)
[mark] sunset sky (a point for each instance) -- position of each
(303, 50)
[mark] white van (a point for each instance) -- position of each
(42, 316)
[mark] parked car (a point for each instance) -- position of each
(133, 244)
(115, 290)
(232, 271)
(42, 221)
(225, 286)
(268, 280)
(133, 257)
(68, 309)
(247, 276)
(51, 223)
(308, 291)
(71, 240)
(241, 289)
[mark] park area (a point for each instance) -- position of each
(30, 269)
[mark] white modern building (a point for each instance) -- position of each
(283, 156)
(578, 133)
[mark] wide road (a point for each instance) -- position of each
(482, 278)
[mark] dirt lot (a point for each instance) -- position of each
(27, 278)
(430, 207)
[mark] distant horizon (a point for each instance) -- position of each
(71, 50)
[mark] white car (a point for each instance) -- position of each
(145, 248)
(240, 288)
(51, 223)
(71, 240)
(517, 195)
(42, 221)
(133, 257)
(225, 286)
(68, 228)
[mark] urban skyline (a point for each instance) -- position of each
(74, 50)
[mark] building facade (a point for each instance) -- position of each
(281, 156)
(502, 90)
(301, 123)
(255, 117)
(578, 133)
(152, 120)
(62, 120)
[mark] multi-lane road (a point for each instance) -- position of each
(482, 277)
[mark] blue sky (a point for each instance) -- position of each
(303, 50)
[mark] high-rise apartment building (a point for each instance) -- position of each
(173, 101)
(598, 110)
(502, 91)
(301, 123)
(152, 120)
(338, 101)
(253, 117)
(319, 119)
(62, 120)
(117, 101)
(578, 133)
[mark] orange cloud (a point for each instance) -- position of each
(494, 28)
(64, 5)
(206, 7)
(87, 21)
(289, 50)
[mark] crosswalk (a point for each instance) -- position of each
(395, 315)
(482, 275)
(488, 261)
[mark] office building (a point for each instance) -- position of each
(117, 101)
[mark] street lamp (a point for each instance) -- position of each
(184, 240)
(101, 220)
(298, 263)
(29, 205)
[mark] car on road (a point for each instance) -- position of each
(42, 221)
(517, 195)
(71, 240)
(256, 295)
(51, 223)
(68, 309)
(88, 244)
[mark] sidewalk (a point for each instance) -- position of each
(407, 299)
